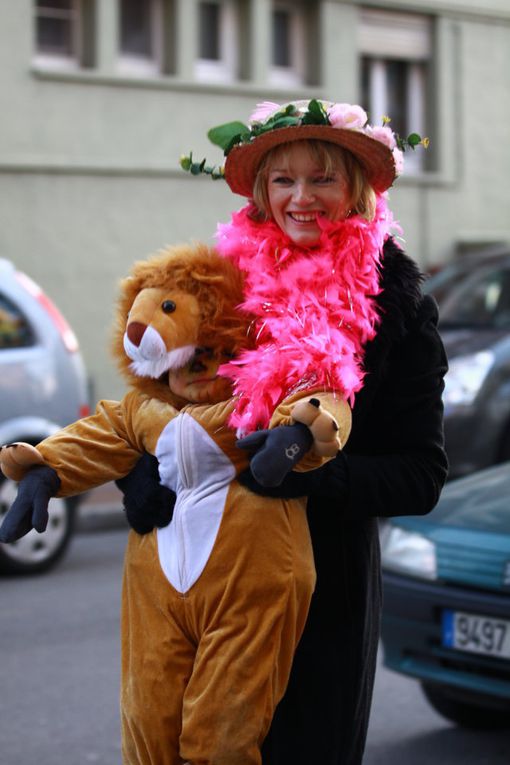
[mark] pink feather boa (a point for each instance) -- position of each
(314, 309)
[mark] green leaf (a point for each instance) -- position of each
(414, 140)
(186, 162)
(316, 114)
(281, 122)
(196, 168)
(234, 141)
(224, 135)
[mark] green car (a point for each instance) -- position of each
(446, 618)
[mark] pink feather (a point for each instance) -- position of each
(314, 309)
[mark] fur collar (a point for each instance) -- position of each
(401, 294)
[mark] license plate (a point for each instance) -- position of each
(476, 634)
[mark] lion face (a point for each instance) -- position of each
(161, 331)
(185, 297)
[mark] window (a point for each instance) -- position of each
(282, 51)
(57, 32)
(15, 331)
(65, 33)
(396, 50)
(140, 36)
(481, 301)
(209, 31)
(218, 35)
(288, 53)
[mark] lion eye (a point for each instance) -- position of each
(168, 306)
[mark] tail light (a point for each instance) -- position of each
(66, 333)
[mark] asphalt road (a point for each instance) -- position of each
(59, 676)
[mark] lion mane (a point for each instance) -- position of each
(198, 270)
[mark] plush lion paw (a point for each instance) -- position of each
(16, 460)
(323, 427)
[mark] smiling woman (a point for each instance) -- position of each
(338, 311)
(299, 192)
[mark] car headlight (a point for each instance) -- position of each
(465, 377)
(408, 553)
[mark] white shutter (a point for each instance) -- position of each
(385, 34)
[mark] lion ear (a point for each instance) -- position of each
(207, 278)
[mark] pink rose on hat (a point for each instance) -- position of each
(398, 159)
(350, 116)
(383, 134)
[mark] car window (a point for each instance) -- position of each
(483, 300)
(15, 330)
(441, 283)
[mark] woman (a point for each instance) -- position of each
(317, 175)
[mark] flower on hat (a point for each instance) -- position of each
(270, 116)
(383, 134)
(349, 116)
(398, 159)
(263, 111)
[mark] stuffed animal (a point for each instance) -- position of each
(214, 603)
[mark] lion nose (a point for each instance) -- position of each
(135, 331)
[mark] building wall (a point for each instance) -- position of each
(89, 177)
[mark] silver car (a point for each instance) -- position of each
(43, 386)
(473, 294)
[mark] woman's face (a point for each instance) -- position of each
(198, 381)
(300, 192)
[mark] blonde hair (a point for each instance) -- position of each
(329, 157)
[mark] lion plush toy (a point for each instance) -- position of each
(213, 604)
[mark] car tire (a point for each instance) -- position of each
(35, 553)
(466, 714)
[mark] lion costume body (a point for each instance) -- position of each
(213, 605)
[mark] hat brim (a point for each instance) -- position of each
(243, 161)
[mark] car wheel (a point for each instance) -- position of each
(464, 713)
(35, 552)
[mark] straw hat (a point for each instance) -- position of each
(244, 160)
(377, 148)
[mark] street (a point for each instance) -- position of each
(59, 676)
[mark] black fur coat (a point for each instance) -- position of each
(393, 464)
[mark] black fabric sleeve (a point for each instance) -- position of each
(401, 466)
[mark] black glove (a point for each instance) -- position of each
(331, 481)
(148, 504)
(277, 451)
(30, 508)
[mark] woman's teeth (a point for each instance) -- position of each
(304, 217)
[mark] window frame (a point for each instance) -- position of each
(388, 36)
(293, 75)
(131, 64)
(226, 67)
(57, 60)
